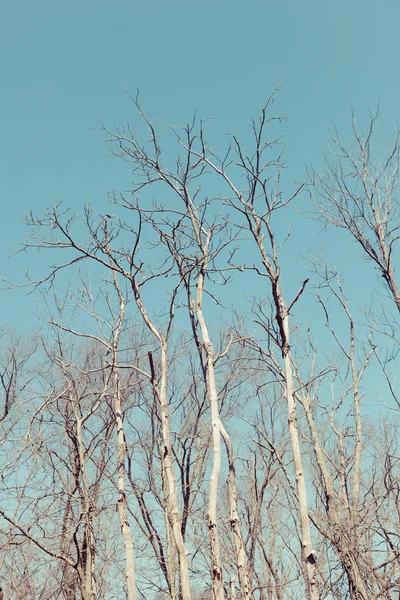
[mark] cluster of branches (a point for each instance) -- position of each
(145, 391)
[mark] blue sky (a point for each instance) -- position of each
(64, 63)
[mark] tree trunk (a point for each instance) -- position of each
(88, 550)
(123, 518)
(216, 568)
(172, 498)
(241, 563)
(309, 555)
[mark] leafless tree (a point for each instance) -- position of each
(358, 192)
(141, 406)
(256, 205)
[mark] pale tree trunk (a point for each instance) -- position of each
(121, 441)
(122, 514)
(356, 583)
(172, 497)
(69, 573)
(89, 584)
(216, 567)
(232, 587)
(358, 424)
(309, 555)
(241, 563)
(171, 546)
(172, 562)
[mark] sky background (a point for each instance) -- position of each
(65, 63)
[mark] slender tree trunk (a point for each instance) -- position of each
(122, 514)
(172, 499)
(232, 587)
(216, 567)
(358, 447)
(241, 563)
(121, 441)
(69, 574)
(88, 544)
(309, 556)
(356, 583)
(171, 546)
(172, 562)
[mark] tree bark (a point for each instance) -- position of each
(309, 555)
(122, 514)
(241, 563)
(172, 499)
(216, 567)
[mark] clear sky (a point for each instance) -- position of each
(64, 63)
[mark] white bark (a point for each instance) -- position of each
(169, 471)
(309, 554)
(216, 567)
(89, 584)
(172, 498)
(121, 442)
(232, 588)
(122, 514)
(241, 563)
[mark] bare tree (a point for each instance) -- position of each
(256, 205)
(358, 193)
(151, 388)
(66, 476)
